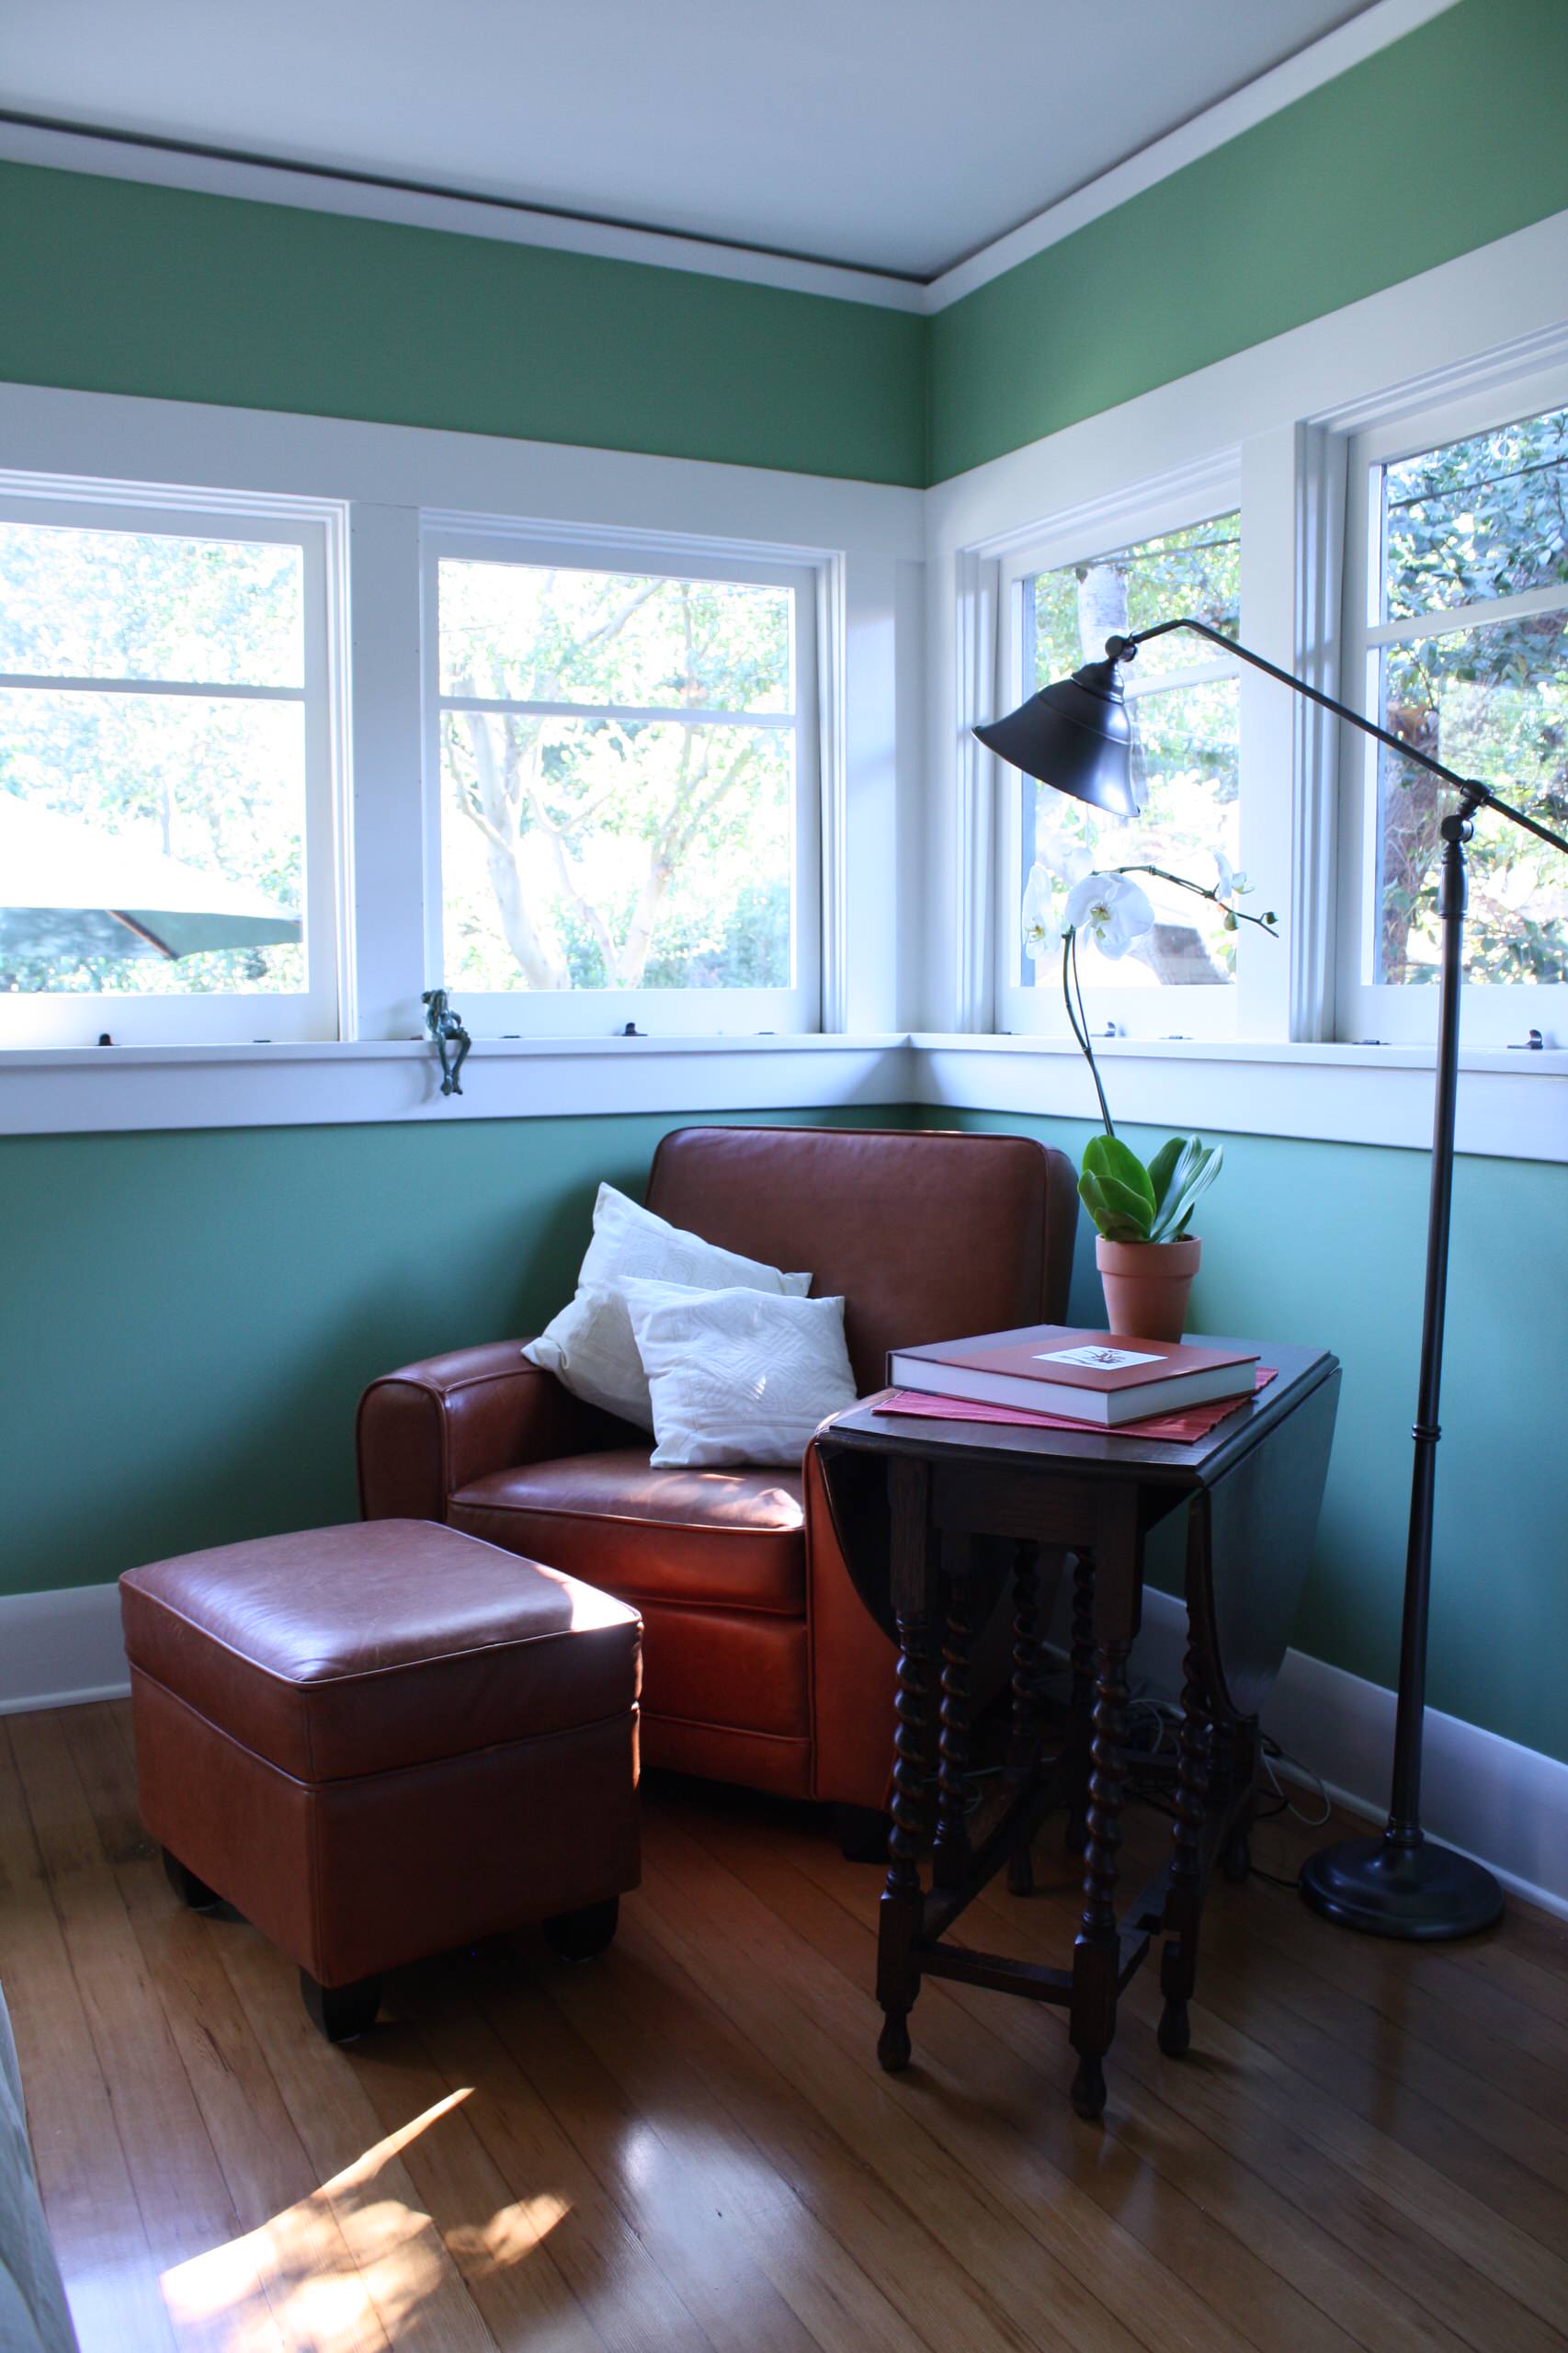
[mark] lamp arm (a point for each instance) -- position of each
(1477, 795)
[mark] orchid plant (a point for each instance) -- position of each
(1130, 1202)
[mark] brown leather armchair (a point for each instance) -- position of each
(761, 1666)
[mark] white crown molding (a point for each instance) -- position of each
(307, 191)
(1376, 27)
(117, 157)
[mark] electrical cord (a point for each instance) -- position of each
(1154, 1732)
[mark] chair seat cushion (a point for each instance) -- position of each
(723, 1540)
(355, 1650)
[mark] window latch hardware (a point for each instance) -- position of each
(632, 1030)
(1532, 1042)
(445, 1028)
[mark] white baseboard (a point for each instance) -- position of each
(1505, 1805)
(59, 1649)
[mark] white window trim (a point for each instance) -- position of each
(792, 1010)
(1493, 1014)
(1200, 1013)
(318, 529)
(914, 825)
(863, 542)
(1282, 413)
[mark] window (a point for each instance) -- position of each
(167, 855)
(1183, 702)
(627, 760)
(1456, 638)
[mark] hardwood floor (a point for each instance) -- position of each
(688, 2145)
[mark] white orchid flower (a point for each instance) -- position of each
(1113, 911)
(1230, 885)
(1036, 914)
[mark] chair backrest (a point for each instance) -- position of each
(928, 1235)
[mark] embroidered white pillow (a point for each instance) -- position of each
(590, 1346)
(738, 1376)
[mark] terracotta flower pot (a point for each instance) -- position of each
(1147, 1286)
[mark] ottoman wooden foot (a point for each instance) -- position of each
(583, 1936)
(341, 2011)
(193, 1893)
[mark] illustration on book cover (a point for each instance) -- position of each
(1099, 1360)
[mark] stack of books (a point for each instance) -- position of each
(1092, 1379)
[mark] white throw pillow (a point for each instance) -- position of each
(738, 1376)
(590, 1346)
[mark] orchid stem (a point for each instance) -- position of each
(1080, 1020)
(1199, 891)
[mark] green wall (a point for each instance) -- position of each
(109, 286)
(1450, 137)
(1447, 140)
(1323, 1243)
(189, 1318)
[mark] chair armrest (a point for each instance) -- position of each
(430, 1429)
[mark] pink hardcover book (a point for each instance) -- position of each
(1097, 1377)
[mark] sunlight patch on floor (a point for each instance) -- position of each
(351, 2261)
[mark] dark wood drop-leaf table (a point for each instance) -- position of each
(932, 1517)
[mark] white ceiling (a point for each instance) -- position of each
(896, 134)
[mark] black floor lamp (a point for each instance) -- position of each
(1075, 736)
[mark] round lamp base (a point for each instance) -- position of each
(1421, 1893)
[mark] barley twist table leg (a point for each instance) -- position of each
(1096, 1948)
(1023, 1746)
(1081, 1658)
(902, 1899)
(1178, 1962)
(949, 1860)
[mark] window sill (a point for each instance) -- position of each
(89, 1089)
(1512, 1106)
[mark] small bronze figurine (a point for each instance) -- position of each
(446, 1028)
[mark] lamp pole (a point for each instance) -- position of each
(1075, 736)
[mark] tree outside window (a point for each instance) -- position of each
(1186, 737)
(620, 765)
(1469, 614)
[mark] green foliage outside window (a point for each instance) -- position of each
(1185, 740)
(648, 842)
(1464, 525)
(217, 783)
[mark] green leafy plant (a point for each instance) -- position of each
(1129, 1202)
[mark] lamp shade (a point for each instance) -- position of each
(1074, 735)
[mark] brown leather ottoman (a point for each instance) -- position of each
(378, 1741)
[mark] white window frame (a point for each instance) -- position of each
(1493, 1014)
(795, 1010)
(1205, 1014)
(321, 1010)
